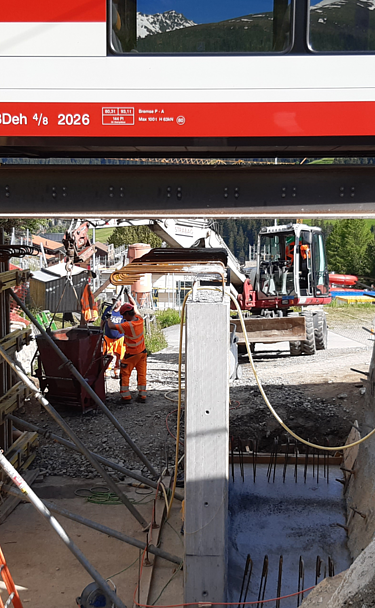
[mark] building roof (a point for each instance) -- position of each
(101, 247)
(53, 273)
(52, 246)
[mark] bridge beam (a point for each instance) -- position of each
(139, 191)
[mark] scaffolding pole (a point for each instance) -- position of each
(28, 426)
(85, 385)
(103, 529)
(81, 446)
(39, 506)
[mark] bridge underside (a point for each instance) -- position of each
(214, 190)
(193, 147)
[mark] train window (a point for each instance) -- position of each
(200, 26)
(342, 25)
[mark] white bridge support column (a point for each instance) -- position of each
(206, 452)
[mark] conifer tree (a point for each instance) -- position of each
(350, 248)
(357, 238)
(128, 235)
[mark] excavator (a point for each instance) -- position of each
(283, 293)
(291, 272)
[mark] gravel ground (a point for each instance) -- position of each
(146, 425)
(318, 397)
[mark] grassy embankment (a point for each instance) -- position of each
(102, 234)
(356, 314)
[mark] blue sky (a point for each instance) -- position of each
(206, 11)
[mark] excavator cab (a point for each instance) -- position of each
(291, 271)
(313, 278)
(291, 264)
(276, 252)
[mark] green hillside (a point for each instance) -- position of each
(102, 234)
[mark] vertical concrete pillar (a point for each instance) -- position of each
(206, 452)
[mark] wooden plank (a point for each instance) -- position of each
(207, 452)
(12, 399)
(101, 288)
(13, 278)
(20, 451)
(15, 340)
(267, 331)
(10, 502)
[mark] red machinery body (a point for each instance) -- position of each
(248, 300)
(290, 272)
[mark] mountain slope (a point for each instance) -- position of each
(343, 25)
(369, 4)
(335, 25)
(247, 33)
(148, 25)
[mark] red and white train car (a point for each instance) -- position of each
(187, 77)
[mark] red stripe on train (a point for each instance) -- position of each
(127, 119)
(37, 11)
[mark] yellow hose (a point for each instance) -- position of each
(274, 413)
(179, 401)
(265, 398)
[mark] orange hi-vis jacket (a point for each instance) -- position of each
(133, 335)
(89, 308)
(305, 252)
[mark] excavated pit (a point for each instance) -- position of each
(289, 519)
(275, 519)
(287, 509)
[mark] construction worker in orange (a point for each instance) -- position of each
(305, 252)
(136, 355)
(113, 340)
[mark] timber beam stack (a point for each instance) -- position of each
(13, 278)
(19, 447)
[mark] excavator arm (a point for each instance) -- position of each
(188, 233)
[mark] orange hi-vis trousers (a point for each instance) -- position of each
(114, 347)
(139, 362)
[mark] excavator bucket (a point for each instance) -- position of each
(269, 330)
